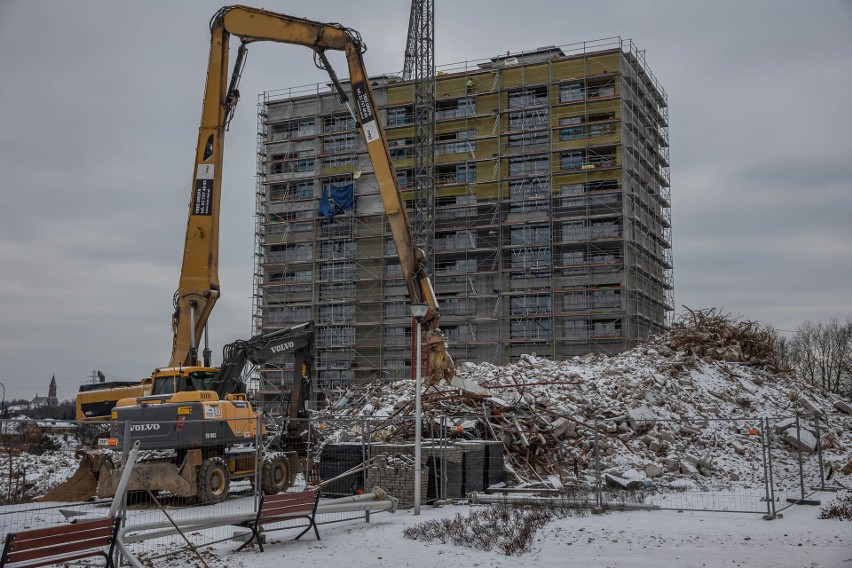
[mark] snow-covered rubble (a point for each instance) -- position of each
(661, 414)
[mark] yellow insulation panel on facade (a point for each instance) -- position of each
(584, 176)
(589, 108)
(586, 66)
(400, 95)
(485, 191)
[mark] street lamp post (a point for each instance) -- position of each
(418, 312)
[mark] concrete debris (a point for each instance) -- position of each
(810, 407)
(804, 441)
(843, 406)
(673, 409)
(641, 419)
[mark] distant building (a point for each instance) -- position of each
(50, 399)
(38, 401)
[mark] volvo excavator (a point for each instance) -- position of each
(210, 424)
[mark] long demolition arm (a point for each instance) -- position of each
(198, 288)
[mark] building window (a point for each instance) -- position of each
(528, 97)
(576, 329)
(570, 92)
(399, 116)
(454, 173)
(337, 249)
(462, 147)
(596, 91)
(403, 177)
(530, 305)
(400, 149)
(606, 329)
(458, 240)
(535, 138)
(460, 142)
(293, 190)
(339, 160)
(338, 123)
(537, 258)
(339, 143)
(530, 329)
(338, 270)
(528, 120)
(573, 133)
(529, 165)
(455, 108)
(530, 188)
(571, 161)
(288, 315)
(302, 161)
(294, 129)
(336, 313)
(530, 234)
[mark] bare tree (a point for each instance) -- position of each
(821, 353)
(783, 354)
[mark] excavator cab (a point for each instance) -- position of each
(202, 380)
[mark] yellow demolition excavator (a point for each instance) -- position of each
(188, 409)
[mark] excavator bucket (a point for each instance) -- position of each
(83, 485)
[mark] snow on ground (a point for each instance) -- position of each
(612, 540)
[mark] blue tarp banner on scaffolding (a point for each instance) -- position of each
(336, 199)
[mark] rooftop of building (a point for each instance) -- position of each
(509, 59)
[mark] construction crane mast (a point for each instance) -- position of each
(420, 66)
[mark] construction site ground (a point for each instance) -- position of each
(614, 540)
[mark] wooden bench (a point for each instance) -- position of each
(62, 543)
(283, 507)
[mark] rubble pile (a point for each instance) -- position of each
(661, 411)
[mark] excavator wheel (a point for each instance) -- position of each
(275, 475)
(214, 480)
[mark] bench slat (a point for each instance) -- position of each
(294, 498)
(288, 508)
(51, 540)
(51, 561)
(58, 551)
(60, 530)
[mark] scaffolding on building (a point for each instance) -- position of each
(551, 231)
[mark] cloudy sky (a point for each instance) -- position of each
(99, 108)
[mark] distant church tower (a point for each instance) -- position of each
(51, 393)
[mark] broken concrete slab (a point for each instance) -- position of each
(811, 406)
(641, 418)
(804, 441)
(843, 406)
(653, 470)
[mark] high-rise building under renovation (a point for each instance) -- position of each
(551, 213)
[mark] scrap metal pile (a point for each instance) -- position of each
(655, 407)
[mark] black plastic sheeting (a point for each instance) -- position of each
(334, 460)
(494, 471)
(455, 469)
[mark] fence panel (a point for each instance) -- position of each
(686, 464)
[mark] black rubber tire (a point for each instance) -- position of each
(275, 475)
(214, 481)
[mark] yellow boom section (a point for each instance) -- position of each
(198, 289)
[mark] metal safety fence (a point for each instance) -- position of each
(193, 468)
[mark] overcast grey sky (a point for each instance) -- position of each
(99, 109)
